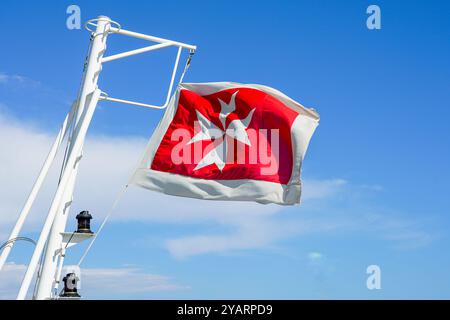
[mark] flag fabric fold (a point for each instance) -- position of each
(229, 141)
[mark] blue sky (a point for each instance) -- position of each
(376, 173)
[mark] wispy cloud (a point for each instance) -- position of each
(101, 282)
(11, 79)
(404, 232)
(26, 92)
(315, 256)
(321, 189)
(328, 205)
(10, 280)
(111, 161)
(3, 78)
(98, 282)
(250, 233)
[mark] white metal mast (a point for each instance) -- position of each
(57, 215)
(37, 185)
(83, 117)
(80, 117)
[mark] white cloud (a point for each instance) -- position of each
(10, 279)
(97, 282)
(121, 281)
(17, 79)
(315, 256)
(249, 233)
(320, 189)
(405, 232)
(109, 161)
(107, 164)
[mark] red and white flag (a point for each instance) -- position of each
(229, 141)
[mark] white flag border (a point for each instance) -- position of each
(235, 190)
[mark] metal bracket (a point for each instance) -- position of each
(161, 43)
(92, 22)
(72, 238)
(105, 96)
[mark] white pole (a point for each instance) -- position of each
(60, 264)
(151, 38)
(136, 51)
(57, 216)
(71, 163)
(37, 185)
(93, 68)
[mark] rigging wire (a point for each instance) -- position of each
(186, 67)
(116, 202)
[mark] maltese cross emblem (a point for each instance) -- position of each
(220, 137)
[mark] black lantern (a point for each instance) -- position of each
(84, 222)
(70, 286)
